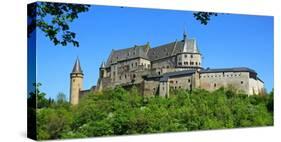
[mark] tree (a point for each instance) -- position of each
(53, 19)
(61, 97)
(37, 97)
(53, 123)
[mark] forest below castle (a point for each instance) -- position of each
(123, 112)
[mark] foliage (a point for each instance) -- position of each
(37, 99)
(122, 112)
(204, 17)
(53, 19)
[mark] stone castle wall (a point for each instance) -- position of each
(213, 81)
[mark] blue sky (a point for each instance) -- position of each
(227, 41)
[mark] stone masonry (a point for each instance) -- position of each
(155, 71)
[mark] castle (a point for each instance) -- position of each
(155, 71)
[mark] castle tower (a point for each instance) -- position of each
(190, 57)
(76, 82)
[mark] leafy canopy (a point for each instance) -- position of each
(122, 112)
(53, 19)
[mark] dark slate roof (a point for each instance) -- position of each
(159, 52)
(166, 76)
(77, 67)
(236, 69)
(173, 48)
(128, 53)
(162, 51)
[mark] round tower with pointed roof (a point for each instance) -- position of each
(76, 82)
(189, 58)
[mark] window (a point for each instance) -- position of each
(191, 56)
(136, 64)
(159, 72)
(125, 76)
(120, 77)
(134, 75)
(215, 85)
(242, 82)
(176, 82)
(180, 63)
(195, 63)
(191, 63)
(185, 56)
(188, 80)
(73, 80)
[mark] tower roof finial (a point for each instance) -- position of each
(184, 34)
(102, 64)
(77, 67)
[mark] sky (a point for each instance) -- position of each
(229, 40)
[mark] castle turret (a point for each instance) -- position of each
(102, 75)
(190, 57)
(102, 70)
(76, 82)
